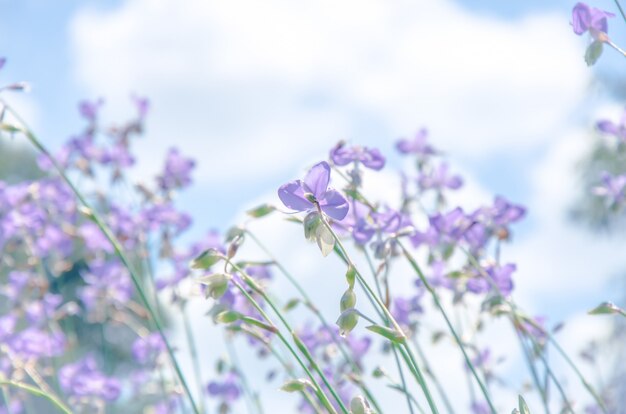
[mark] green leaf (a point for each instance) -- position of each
(228, 317)
(206, 259)
(295, 385)
(389, 333)
(259, 324)
(593, 53)
(523, 407)
(325, 240)
(9, 128)
(261, 211)
(291, 304)
(606, 308)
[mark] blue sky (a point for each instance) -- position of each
(256, 94)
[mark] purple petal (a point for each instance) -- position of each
(292, 196)
(317, 179)
(581, 18)
(334, 205)
(374, 159)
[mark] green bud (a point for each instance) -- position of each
(228, 317)
(311, 223)
(206, 259)
(299, 384)
(347, 321)
(351, 276)
(358, 405)
(389, 333)
(523, 407)
(216, 284)
(261, 211)
(348, 300)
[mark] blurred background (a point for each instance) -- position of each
(256, 91)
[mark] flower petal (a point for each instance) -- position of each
(317, 179)
(334, 205)
(292, 196)
(581, 18)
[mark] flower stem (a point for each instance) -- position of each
(419, 272)
(195, 361)
(116, 246)
(39, 393)
(278, 313)
(309, 304)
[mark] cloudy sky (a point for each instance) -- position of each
(256, 91)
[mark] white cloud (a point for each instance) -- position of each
(281, 82)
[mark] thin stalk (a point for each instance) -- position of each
(309, 304)
(195, 361)
(116, 246)
(419, 272)
(408, 355)
(621, 11)
(278, 313)
(255, 304)
(39, 393)
(533, 371)
(428, 370)
(251, 397)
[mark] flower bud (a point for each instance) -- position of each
(358, 405)
(348, 300)
(347, 321)
(216, 284)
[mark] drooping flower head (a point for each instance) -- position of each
(302, 195)
(370, 158)
(585, 18)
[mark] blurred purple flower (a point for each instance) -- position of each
(585, 18)
(439, 179)
(418, 145)
(89, 110)
(612, 128)
(147, 349)
(298, 195)
(177, 171)
(83, 379)
(227, 390)
(612, 188)
(499, 275)
(370, 158)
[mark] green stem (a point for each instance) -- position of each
(621, 11)
(255, 304)
(116, 246)
(428, 370)
(39, 393)
(432, 292)
(251, 397)
(195, 361)
(408, 355)
(278, 313)
(309, 304)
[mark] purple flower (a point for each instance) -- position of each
(616, 129)
(147, 350)
(585, 18)
(227, 390)
(142, 104)
(302, 195)
(499, 275)
(371, 158)
(612, 188)
(439, 178)
(83, 379)
(403, 310)
(89, 110)
(3, 60)
(480, 408)
(177, 172)
(418, 145)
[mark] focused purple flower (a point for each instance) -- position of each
(301, 195)
(418, 145)
(370, 158)
(612, 128)
(613, 188)
(83, 379)
(177, 172)
(585, 18)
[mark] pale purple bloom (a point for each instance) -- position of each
(585, 18)
(418, 145)
(36, 343)
(89, 110)
(613, 128)
(147, 350)
(439, 179)
(142, 104)
(612, 188)
(480, 408)
(297, 195)
(83, 379)
(3, 61)
(404, 310)
(370, 158)
(177, 171)
(227, 390)
(499, 275)
(7, 326)
(358, 346)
